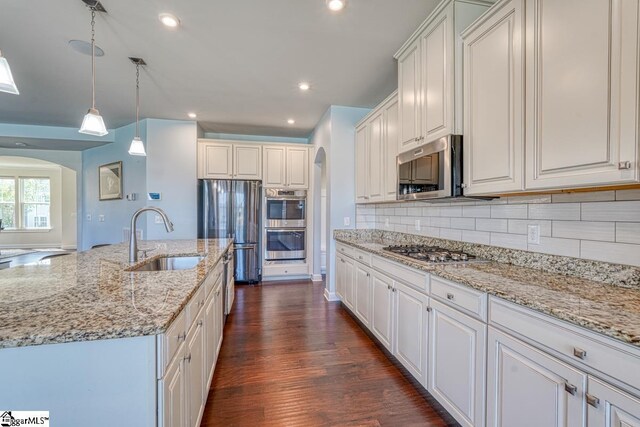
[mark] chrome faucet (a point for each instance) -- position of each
(133, 239)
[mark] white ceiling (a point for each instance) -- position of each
(235, 63)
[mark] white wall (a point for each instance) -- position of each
(335, 134)
(171, 170)
(69, 209)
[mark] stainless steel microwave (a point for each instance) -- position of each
(432, 170)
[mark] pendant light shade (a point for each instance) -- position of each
(6, 79)
(93, 123)
(137, 146)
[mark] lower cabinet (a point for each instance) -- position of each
(213, 329)
(610, 407)
(348, 280)
(411, 330)
(362, 285)
(195, 372)
(528, 388)
(457, 348)
(382, 309)
(171, 391)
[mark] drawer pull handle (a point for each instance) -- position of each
(592, 400)
(389, 287)
(188, 358)
(418, 152)
(450, 297)
(428, 309)
(182, 336)
(579, 353)
(570, 388)
(368, 275)
(200, 323)
(393, 290)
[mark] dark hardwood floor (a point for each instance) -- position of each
(290, 358)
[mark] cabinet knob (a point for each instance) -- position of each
(389, 287)
(450, 297)
(592, 400)
(182, 336)
(428, 309)
(393, 290)
(624, 165)
(368, 275)
(570, 388)
(579, 353)
(200, 323)
(188, 358)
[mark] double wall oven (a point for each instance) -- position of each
(285, 225)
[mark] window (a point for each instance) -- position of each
(25, 202)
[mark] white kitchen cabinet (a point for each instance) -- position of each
(409, 97)
(457, 349)
(611, 407)
(195, 371)
(411, 330)
(494, 101)
(430, 74)
(582, 93)
(229, 160)
(340, 278)
(285, 167)
(349, 287)
(382, 309)
(219, 298)
(274, 168)
(171, 388)
(390, 147)
(528, 388)
(362, 167)
(212, 331)
(362, 284)
(375, 158)
(297, 167)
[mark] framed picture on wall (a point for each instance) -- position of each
(110, 181)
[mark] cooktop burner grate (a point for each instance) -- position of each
(432, 254)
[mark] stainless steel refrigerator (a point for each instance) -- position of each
(232, 209)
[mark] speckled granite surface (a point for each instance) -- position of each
(91, 295)
(612, 308)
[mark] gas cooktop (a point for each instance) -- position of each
(431, 254)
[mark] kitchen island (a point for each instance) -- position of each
(88, 339)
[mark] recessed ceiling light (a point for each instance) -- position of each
(336, 5)
(169, 20)
(192, 115)
(304, 86)
(291, 122)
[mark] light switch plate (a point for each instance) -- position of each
(347, 221)
(386, 222)
(158, 219)
(100, 218)
(533, 234)
(417, 227)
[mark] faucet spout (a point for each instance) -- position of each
(133, 239)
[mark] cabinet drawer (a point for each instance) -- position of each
(415, 278)
(212, 278)
(461, 297)
(170, 341)
(345, 250)
(194, 305)
(362, 256)
(572, 343)
(285, 270)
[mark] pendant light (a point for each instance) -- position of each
(6, 79)
(137, 146)
(93, 123)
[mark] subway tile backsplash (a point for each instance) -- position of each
(602, 226)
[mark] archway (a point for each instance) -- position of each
(38, 204)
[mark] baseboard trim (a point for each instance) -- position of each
(285, 278)
(330, 296)
(316, 278)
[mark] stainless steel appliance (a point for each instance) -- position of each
(285, 244)
(286, 208)
(432, 254)
(232, 209)
(432, 170)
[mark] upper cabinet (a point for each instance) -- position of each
(582, 92)
(228, 160)
(429, 81)
(493, 101)
(551, 96)
(286, 167)
(376, 148)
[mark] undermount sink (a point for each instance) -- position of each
(170, 263)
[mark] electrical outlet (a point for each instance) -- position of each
(100, 218)
(417, 226)
(88, 217)
(533, 234)
(347, 221)
(158, 219)
(386, 222)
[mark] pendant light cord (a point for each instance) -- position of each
(138, 100)
(93, 58)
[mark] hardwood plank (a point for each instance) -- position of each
(291, 358)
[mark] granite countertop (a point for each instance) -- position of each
(91, 295)
(606, 308)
